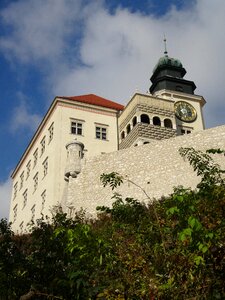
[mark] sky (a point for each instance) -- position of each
(109, 48)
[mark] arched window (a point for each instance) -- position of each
(168, 123)
(128, 128)
(145, 119)
(134, 121)
(122, 135)
(156, 121)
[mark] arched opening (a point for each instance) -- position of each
(145, 119)
(128, 128)
(168, 123)
(122, 135)
(156, 121)
(134, 121)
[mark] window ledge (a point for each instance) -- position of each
(102, 140)
(76, 134)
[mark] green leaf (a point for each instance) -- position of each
(194, 223)
(100, 260)
(209, 235)
(199, 260)
(172, 210)
(202, 247)
(184, 234)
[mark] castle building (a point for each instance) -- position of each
(78, 129)
(170, 109)
(38, 179)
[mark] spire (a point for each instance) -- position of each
(165, 52)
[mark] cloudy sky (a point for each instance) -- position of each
(105, 47)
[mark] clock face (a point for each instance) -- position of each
(185, 111)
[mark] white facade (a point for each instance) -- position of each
(195, 100)
(38, 180)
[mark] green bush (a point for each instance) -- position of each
(173, 248)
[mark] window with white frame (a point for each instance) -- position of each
(45, 167)
(15, 188)
(186, 130)
(21, 180)
(15, 212)
(51, 132)
(43, 198)
(33, 212)
(101, 132)
(35, 156)
(42, 146)
(35, 181)
(28, 168)
(25, 198)
(77, 127)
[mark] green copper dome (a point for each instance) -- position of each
(168, 61)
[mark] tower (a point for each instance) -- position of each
(74, 156)
(168, 83)
(168, 74)
(170, 109)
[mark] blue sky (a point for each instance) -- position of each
(67, 47)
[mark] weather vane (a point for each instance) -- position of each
(165, 52)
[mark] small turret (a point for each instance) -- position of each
(75, 153)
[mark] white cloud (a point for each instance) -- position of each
(22, 118)
(115, 53)
(39, 29)
(119, 52)
(5, 195)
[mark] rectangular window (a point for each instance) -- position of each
(43, 198)
(51, 132)
(33, 212)
(21, 180)
(35, 182)
(76, 127)
(45, 167)
(15, 213)
(28, 168)
(185, 131)
(35, 156)
(42, 146)
(25, 198)
(101, 133)
(15, 188)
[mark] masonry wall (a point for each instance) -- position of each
(157, 167)
(148, 131)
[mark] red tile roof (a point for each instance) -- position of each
(96, 100)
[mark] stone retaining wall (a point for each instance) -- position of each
(157, 167)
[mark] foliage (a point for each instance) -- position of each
(170, 249)
(203, 163)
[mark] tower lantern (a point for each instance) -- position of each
(168, 74)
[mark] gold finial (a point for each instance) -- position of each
(165, 52)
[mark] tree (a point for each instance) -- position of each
(167, 249)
